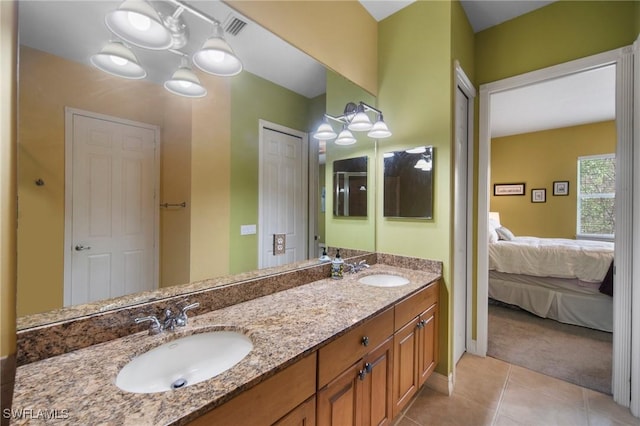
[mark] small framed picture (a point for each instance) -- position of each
(561, 187)
(539, 195)
(508, 189)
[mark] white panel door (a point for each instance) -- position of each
(113, 199)
(283, 198)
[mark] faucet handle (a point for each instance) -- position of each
(154, 328)
(182, 318)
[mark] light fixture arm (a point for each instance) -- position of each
(194, 11)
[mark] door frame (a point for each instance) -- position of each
(69, 113)
(466, 200)
(623, 59)
(304, 137)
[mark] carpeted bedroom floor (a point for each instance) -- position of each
(575, 354)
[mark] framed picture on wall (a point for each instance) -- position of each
(508, 189)
(539, 195)
(561, 187)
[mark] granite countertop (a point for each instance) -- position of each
(79, 387)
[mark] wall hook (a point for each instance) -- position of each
(39, 182)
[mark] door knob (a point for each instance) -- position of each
(80, 247)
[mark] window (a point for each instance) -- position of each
(596, 195)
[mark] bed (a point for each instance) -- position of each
(561, 279)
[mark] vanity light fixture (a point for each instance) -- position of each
(185, 82)
(354, 118)
(417, 150)
(140, 24)
(117, 59)
(216, 56)
(425, 163)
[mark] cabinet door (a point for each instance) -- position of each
(339, 403)
(428, 338)
(303, 415)
(377, 403)
(405, 353)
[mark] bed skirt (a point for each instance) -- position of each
(563, 304)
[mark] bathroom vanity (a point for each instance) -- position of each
(327, 352)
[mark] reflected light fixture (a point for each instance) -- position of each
(216, 56)
(354, 118)
(138, 23)
(117, 59)
(345, 137)
(185, 82)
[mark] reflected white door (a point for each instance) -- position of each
(113, 225)
(283, 195)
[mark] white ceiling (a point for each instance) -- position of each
(75, 30)
(582, 98)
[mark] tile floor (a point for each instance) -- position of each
(492, 392)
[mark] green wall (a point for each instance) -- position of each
(538, 159)
(349, 232)
(557, 33)
(415, 49)
(252, 99)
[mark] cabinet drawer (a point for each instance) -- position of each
(347, 349)
(414, 305)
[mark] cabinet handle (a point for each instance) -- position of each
(368, 367)
(365, 341)
(420, 324)
(362, 374)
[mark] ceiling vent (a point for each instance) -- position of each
(233, 25)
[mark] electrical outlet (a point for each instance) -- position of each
(279, 244)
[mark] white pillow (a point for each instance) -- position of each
(493, 235)
(505, 234)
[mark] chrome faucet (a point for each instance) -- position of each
(170, 320)
(357, 267)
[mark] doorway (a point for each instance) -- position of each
(623, 59)
(111, 212)
(283, 195)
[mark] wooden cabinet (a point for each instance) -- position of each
(361, 394)
(414, 344)
(303, 415)
(267, 402)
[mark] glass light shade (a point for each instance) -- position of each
(184, 82)
(138, 23)
(345, 138)
(117, 59)
(388, 155)
(360, 122)
(216, 57)
(379, 130)
(421, 163)
(325, 132)
(426, 167)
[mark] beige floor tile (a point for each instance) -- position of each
(403, 421)
(534, 408)
(432, 408)
(603, 408)
(481, 379)
(503, 420)
(540, 383)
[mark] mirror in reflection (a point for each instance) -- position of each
(408, 183)
(350, 187)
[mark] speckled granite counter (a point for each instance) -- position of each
(284, 327)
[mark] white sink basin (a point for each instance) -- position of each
(384, 280)
(184, 362)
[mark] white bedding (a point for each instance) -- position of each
(552, 257)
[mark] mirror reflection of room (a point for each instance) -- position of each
(350, 187)
(408, 183)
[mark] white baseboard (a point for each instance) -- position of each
(440, 383)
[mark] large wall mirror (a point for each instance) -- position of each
(350, 187)
(206, 153)
(408, 183)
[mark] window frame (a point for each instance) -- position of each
(580, 197)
